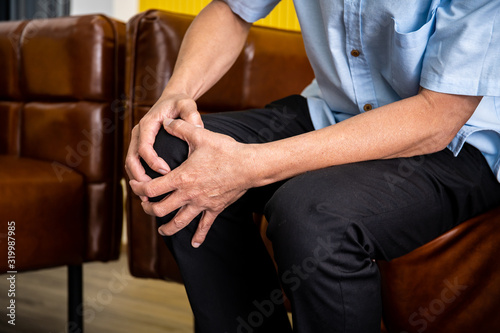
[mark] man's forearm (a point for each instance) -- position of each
(209, 48)
(421, 124)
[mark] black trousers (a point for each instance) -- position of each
(327, 228)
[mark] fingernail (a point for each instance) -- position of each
(161, 232)
(196, 245)
(162, 171)
(143, 198)
(198, 126)
(167, 121)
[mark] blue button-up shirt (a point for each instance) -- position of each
(371, 53)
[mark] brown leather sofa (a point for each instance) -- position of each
(451, 284)
(61, 134)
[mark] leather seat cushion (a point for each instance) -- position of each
(419, 290)
(35, 195)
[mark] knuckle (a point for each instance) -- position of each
(129, 160)
(142, 149)
(219, 207)
(128, 174)
(133, 133)
(143, 120)
(158, 211)
(184, 178)
(178, 222)
(197, 135)
(140, 124)
(204, 227)
(149, 191)
(190, 196)
(187, 105)
(175, 125)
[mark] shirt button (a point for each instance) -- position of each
(355, 53)
(368, 107)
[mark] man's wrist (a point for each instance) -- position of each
(259, 169)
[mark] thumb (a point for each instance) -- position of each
(193, 118)
(190, 113)
(180, 128)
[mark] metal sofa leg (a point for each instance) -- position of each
(75, 299)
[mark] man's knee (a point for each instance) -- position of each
(171, 149)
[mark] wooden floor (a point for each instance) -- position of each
(114, 302)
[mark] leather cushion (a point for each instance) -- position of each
(9, 127)
(10, 34)
(103, 237)
(79, 135)
(47, 210)
(71, 58)
(453, 281)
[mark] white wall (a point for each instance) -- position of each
(120, 9)
(125, 9)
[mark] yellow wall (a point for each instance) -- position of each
(282, 17)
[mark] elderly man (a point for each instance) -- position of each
(398, 83)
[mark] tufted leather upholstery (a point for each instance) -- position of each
(61, 139)
(272, 65)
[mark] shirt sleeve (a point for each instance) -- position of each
(462, 54)
(253, 10)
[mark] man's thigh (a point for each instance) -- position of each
(278, 120)
(400, 204)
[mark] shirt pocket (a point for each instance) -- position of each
(407, 55)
